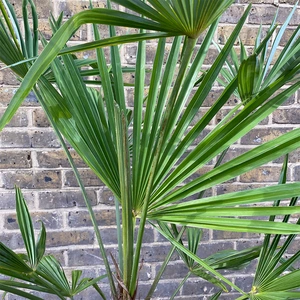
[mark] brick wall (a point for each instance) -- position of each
(30, 157)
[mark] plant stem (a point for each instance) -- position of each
(181, 284)
(126, 193)
(244, 297)
(119, 233)
(96, 287)
(85, 196)
(188, 50)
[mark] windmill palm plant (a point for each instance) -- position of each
(149, 155)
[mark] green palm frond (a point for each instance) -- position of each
(190, 17)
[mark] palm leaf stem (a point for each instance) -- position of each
(244, 297)
(126, 194)
(85, 196)
(96, 287)
(183, 281)
(119, 234)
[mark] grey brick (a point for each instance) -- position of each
(104, 217)
(88, 177)
(30, 179)
(51, 220)
(67, 238)
(14, 139)
(15, 159)
(42, 139)
(57, 158)
(64, 199)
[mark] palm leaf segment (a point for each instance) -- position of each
(189, 17)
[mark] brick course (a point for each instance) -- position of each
(31, 157)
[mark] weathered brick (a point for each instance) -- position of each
(20, 119)
(244, 283)
(234, 152)
(31, 179)
(131, 52)
(104, 217)
(8, 78)
(215, 94)
(93, 294)
(256, 1)
(226, 235)
(64, 199)
(66, 238)
(39, 118)
(163, 289)
(31, 100)
(207, 249)
(232, 14)
(297, 173)
(294, 247)
(8, 200)
(13, 240)
(247, 34)
(201, 136)
(71, 8)
(286, 36)
(197, 286)
(52, 220)
(21, 178)
(286, 116)
(87, 176)
(205, 236)
(175, 270)
(107, 197)
(44, 7)
(42, 139)
(48, 179)
(236, 187)
(262, 14)
(156, 253)
(224, 112)
(293, 2)
(262, 135)
(84, 257)
(211, 56)
(262, 174)
(10, 138)
(15, 159)
(57, 158)
(265, 15)
(294, 157)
